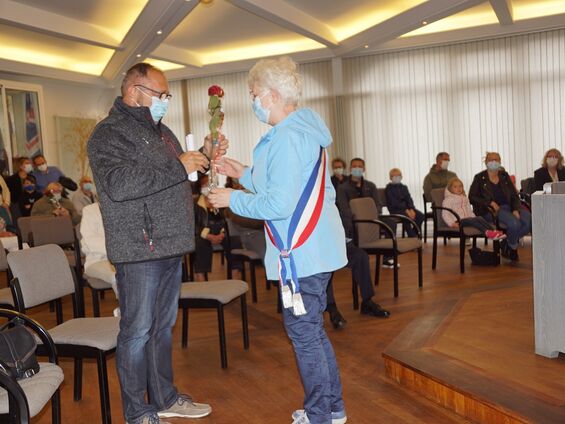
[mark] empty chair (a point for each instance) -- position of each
(51, 278)
(214, 294)
(368, 227)
(24, 399)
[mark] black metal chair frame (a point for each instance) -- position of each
(392, 252)
(186, 304)
(77, 352)
(18, 405)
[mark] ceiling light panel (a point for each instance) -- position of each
(347, 18)
(473, 17)
(163, 65)
(114, 17)
(528, 9)
(221, 32)
(20, 45)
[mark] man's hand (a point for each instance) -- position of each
(411, 213)
(221, 148)
(495, 206)
(229, 167)
(220, 197)
(61, 212)
(516, 214)
(194, 161)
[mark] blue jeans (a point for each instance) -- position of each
(314, 353)
(515, 228)
(148, 295)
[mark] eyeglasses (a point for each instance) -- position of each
(254, 96)
(162, 95)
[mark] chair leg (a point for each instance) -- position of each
(243, 272)
(279, 301)
(229, 274)
(377, 269)
(395, 275)
(355, 292)
(253, 282)
(78, 379)
(425, 229)
(222, 331)
(434, 252)
(95, 303)
(267, 284)
(184, 336)
(102, 294)
(462, 255)
(420, 273)
(445, 241)
(244, 322)
(103, 386)
(59, 311)
(56, 407)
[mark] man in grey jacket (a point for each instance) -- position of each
(141, 172)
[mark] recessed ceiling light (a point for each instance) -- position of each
(366, 46)
(123, 73)
(138, 55)
(159, 32)
(424, 22)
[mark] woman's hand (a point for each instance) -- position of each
(221, 148)
(494, 206)
(229, 167)
(220, 197)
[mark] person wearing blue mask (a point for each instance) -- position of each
(28, 196)
(290, 189)
(141, 176)
(399, 201)
(493, 195)
(85, 195)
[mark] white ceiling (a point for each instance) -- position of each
(95, 41)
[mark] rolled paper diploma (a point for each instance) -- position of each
(189, 140)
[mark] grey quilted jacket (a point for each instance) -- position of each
(145, 198)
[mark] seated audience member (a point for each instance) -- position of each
(54, 204)
(28, 196)
(15, 182)
(7, 227)
(492, 192)
(552, 169)
(456, 200)
(338, 168)
(49, 174)
(399, 201)
(93, 245)
(85, 196)
(438, 175)
(355, 187)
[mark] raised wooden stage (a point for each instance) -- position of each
(475, 356)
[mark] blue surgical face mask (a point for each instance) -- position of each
(357, 172)
(158, 108)
(261, 112)
(29, 188)
(493, 165)
(87, 186)
(396, 179)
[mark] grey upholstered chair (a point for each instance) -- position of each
(6, 299)
(214, 294)
(51, 278)
(24, 399)
(441, 229)
(368, 227)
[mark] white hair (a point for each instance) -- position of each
(279, 74)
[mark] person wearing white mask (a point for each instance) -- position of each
(552, 169)
(338, 168)
(45, 174)
(439, 175)
(54, 204)
(15, 182)
(493, 194)
(85, 196)
(399, 201)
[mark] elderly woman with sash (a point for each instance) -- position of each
(289, 188)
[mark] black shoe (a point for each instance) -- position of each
(513, 255)
(338, 321)
(504, 249)
(373, 309)
(389, 263)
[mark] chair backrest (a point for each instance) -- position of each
(43, 273)
(52, 230)
(24, 228)
(3, 258)
(438, 194)
(381, 196)
(365, 208)
(527, 185)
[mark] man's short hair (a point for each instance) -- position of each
(440, 155)
(340, 160)
(37, 157)
(136, 71)
(357, 159)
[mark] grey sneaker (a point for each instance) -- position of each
(152, 419)
(337, 417)
(184, 407)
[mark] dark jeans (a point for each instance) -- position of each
(407, 227)
(314, 353)
(477, 222)
(148, 293)
(515, 228)
(358, 261)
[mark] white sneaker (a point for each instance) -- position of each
(337, 417)
(117, 312)
(389, 263)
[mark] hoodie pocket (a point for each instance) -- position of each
(148, 228)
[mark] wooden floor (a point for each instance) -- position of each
(262, 385)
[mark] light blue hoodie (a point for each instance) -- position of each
(283, 160)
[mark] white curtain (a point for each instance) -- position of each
(174, 116)
(505, 95)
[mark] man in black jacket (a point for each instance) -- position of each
(145, 199)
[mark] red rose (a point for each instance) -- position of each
(216, 90)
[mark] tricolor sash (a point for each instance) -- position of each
(302, 224)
